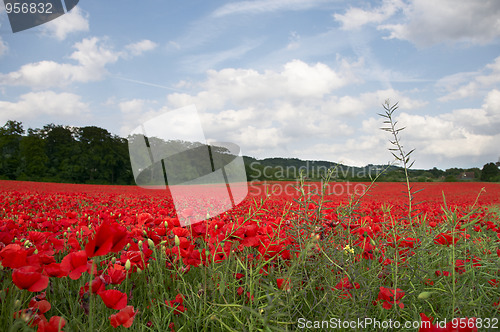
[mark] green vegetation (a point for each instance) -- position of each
(91, 154)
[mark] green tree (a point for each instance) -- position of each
(63, 153)
(33, 158)
(490, 172)
(10, 137)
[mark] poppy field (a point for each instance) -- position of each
(291, 256)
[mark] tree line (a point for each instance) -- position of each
(91, 154)
(58, 153)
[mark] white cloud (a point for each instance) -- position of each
(297, 80)
(92, 55)
(355, 18)
(44, 103)
(429, 22)
(140, 47)
(460, 133)
(463, 85)
(264, 6)
(74, 21)
(272, 112)
(136, 111)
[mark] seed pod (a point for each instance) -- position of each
(424, 295)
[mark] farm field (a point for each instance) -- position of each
(291, 256)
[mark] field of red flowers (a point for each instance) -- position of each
(90, 257)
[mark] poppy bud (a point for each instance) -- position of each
(166, 224)
(151, 244)
(177, 241)
(139, 271)
(140, 244)
(128, 265)
(424, 295)
(113, 260)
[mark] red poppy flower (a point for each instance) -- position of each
(125, 317)
(114, 299)
(445, 239)
(55, 270)
(389, 297)
(177, 304)
(116, 274)
(108, 238)
(444, 273)
(346, 284)
(283, 284)
(13, 256)
(75, 264)
(55, 324)
(30, 278)
(39, 303)
(98, 285)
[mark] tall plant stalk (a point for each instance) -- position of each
(398, 151)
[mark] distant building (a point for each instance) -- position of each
(467, 176)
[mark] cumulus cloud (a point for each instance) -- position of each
(429, 22)
(355, 18)
(92, 55)
(461, 133)
(463, 85)
(43, 103)
(297, 80)
(74, 21)
(275, 112)
(136, 111)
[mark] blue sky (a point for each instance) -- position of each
(285, 78)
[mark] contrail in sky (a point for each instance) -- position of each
(149, 84)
